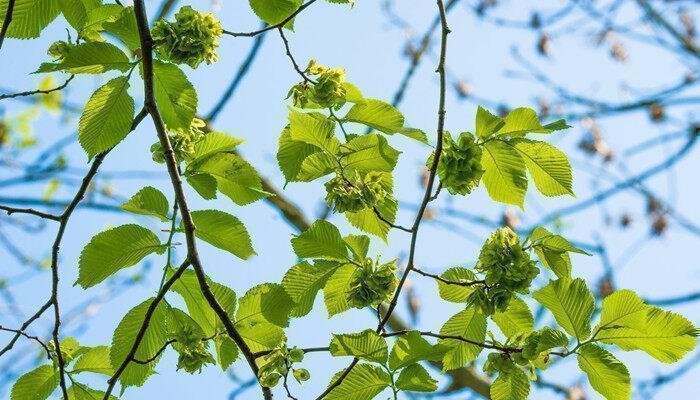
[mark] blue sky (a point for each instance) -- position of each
(363, 42)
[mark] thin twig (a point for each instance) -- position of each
(279, 25)
(39, 91)
(28, 336)
(12, 210)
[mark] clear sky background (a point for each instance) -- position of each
(372, 51)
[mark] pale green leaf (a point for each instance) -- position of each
(469, 324)
(303, 281)
(415, 134)
(336, 290)
(415, 378)
(274, 11)
(36, 384)
(321, 240)
(291, 153)
(226, 351)
(235, 177)
(352, 93)
(175, 95)
(107, 117)
(268, 302)
(224, 231)
(456, 293)
(622, 308)
(504, 173)
(76, 11)
(367, 219)
(571, 303)
(516, 319)
(204, 184)
(314, 129)
(487, 123)
(95, 360)
(364, 382)
(29, 17)
(90, 58)
(78, 391)
(376, 114)
(549, 167)
(410, 348)
(607, 375)
(358, 245)
(124, 28)
(553, 251)
(261, 336)
(365, 345)
(115, 249)
(511, 385)
(154, 338)
(368, 153)
(522, 121)
(213, 143)
(148, 201)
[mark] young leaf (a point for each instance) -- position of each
(364, 382)
(549, 167)
(411, 348)
(224, 231)
(522, 121)
(571, 303)
(115, 249)
(469, 324)
(213, 143)
(314, 129)
(553, 251)
(204, 184)
(107, 117)
(607, 375)
(321, 240)
(664, 335)
(124, 28)
(365, 345)
(274, 11)
(367, 219)
(78, 391)
(336, 290)
(516, 319)
(235, 177)
(369, 153)
(456, 293)
(148, 201)
(175, 95)
(96, 19)
(415, 378)
(511, 385)
(76, 11)
(504, 175)
(268, 302)
(226, 351)
(376, 114)
(156, 335)
(487, 123)
(94, 360)
(29, 17)
(358, 245)
(291, 153)
(90, 58)
(261, 336)
(37, 384)
(415, 134)
(303, 281)
(623, 308)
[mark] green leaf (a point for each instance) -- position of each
(78, 391)
(303, 281)
(622, 308)
(415, 378)
(571, 303)
(664, 335)
(261, 336)
(94, 360)
(522, 121)
(557, 125)
(204, 184)
(415, 134)
(365, 345)
(226, 351)
(214, 143)
(115, 249)
(516, 319)
(235, 177)
(376, 114)
(607, 375)
(367, 219)
(487, 123)
(175, 95)
(125, 28)
(148, 201)
(224, 231)
(36, 384)
(268, 302)
(76, 11)
(358, 245)
(549, 167)
(410, 348)
(369, 153)
(456, 293)
(469, 324)
(504, 175)
(551, 338)
(154, 338)
(336, 290)
(321, 240)
(90, 58)
(314, 129)
(29, 17)
(553, 251)
(107, 117)
(274, 11)
(291, 154)
(511, 385)
(364, 382)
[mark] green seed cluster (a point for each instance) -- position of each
(508, 269)
(277, 364)
(327, 91)
(192, 350)
(58, 50)
(460, 164)
(191, 39)
(183, 142)
(498, 362)
(372, 284)
(352, 196)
